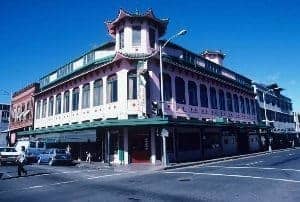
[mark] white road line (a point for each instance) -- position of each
(66, 182)
(34, 187)
(252, 167)
(103, 176)
(238, 176)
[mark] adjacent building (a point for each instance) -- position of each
(102, 101)
(22, 105)
(4, 119)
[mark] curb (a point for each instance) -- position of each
(224, 159)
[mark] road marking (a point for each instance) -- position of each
(237, 176)
(66, 182)
(252, 167)
(103, 176)
(34, 187)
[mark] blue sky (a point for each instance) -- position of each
(261, 39)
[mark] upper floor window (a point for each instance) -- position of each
(44, 108)
(221, 100)
(51, 106)
(236, 103)
(136, 35)
(38, 109)
(152, 37)
(213, 98)
(89, 58)
(252, 107)
(229, 101)
(242, 104)
(203, 96)
(58, 104)
(121, 39)
(112, 88)
(167, 87)
(132, 85)
(247, 105)
(180, 90)
(66, 102)
(193, 98)
(86, 96)
(75, 99)
(98, 92)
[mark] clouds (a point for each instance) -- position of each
(274, 77)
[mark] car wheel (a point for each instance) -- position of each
(51, 162)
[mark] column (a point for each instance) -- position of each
(80, 97)
(91, 94)
(173, 100)
(104, 80)
(41, 108)
(153, 146)
(71, 99)
(122, 94)
(125, 132)
(47, 107)
(63, 120)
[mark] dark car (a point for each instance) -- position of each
(54, 157)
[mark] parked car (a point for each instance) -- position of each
(8, 155)
(32, 149)
(54, 156)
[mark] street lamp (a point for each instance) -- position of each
(161, 47)
(164, 133)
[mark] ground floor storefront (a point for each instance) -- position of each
(140, 141)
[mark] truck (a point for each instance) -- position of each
(32, 149)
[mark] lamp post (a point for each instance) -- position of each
(164, 133)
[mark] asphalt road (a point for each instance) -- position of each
(271, 177)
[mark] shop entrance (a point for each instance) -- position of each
(139, 148)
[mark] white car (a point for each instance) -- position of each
(8, 155)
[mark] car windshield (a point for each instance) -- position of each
(7, 149)
(60, 151)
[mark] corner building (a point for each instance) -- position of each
(101, 101)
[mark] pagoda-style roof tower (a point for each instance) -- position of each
(123, 15)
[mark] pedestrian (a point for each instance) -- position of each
(88, 157)
(21, 162)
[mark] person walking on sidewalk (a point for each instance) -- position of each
(88, 157)
(21, 162)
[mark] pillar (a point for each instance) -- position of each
(126, 159)
(71, 99)
(80, 97)
(153, 146)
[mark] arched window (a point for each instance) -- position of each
(253, 107)
(51, 106)
(66, 101)
(112, 88)
(86, 96)
(167, 87)
(242, 104)
(236, 103)
(37, 111)
(58, 104)
(221, 100)
(98, 92)
(75, 99)
(131, 85)
(193, 98)
(247, 105)
(213, 98)
(203, 96)
(229, 101)
(44, 108)
(180, 90)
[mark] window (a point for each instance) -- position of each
(89, 58)
(98, 92)
(193, 98)
(38, 109)
(213, 98)
(180, 90)
(86, 96)
(75, 99)
(136, 35)
(242, 104)
(121, 39)
(51, 105)
(203, 96)
(66, 107)
(247, 105)
(221, 100)
(132, 85)
(253, 107)
(58, 104)
(167, 87)
(44, 108)
(112, 88)
(152, 37)
(229, 101)
(236, 103)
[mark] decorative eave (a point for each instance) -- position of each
(162, 23)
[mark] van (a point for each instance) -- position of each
(32, 149)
